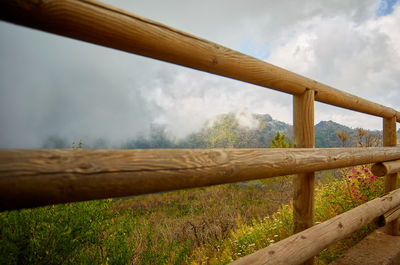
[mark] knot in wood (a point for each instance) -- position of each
(218, 156)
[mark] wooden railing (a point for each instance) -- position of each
(30, 178)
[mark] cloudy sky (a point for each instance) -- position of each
(52, 86)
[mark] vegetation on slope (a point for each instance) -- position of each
(331, 199)
(211, 225)
(154, 229)
(225, 131)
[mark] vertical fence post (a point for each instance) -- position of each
(390, 139)
(304, 137)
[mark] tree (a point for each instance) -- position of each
(365, 139)
(282, 183)
(343, 136)
(279, 141)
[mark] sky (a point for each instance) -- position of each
(60, 88)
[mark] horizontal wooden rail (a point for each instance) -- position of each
(385, 168)
(105, 25)
(30, 178)
(308, 243)
(389, 216)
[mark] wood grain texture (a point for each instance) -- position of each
(389, 216)
(300, 247)
(108, 26)
(385, 168)
(31, 178)
(303, 120)
(389, 132)
(390, 139)
(303, 184)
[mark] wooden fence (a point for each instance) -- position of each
(30, 178)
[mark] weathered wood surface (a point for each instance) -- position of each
(303, 184)
(105, 25)
(299, 247)
(389, 216)
(385, 168)
(31, 178)
(390, 139)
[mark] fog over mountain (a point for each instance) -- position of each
(54, 89)
(232, 130)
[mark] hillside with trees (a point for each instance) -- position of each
(209, 225)
(225, 131)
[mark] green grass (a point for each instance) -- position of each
(212, 225)
(75, 233)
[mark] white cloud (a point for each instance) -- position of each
(361, 58)
(74, 89)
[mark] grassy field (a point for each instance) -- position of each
(213, 225)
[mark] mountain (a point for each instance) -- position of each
(225, 131)
(235, 130)
(228, 131)
(326, 134)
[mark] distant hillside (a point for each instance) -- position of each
(253, 131)
(226, 131)
(326, 134)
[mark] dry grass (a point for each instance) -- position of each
(203, 216)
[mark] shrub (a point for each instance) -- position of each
(330, 200)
